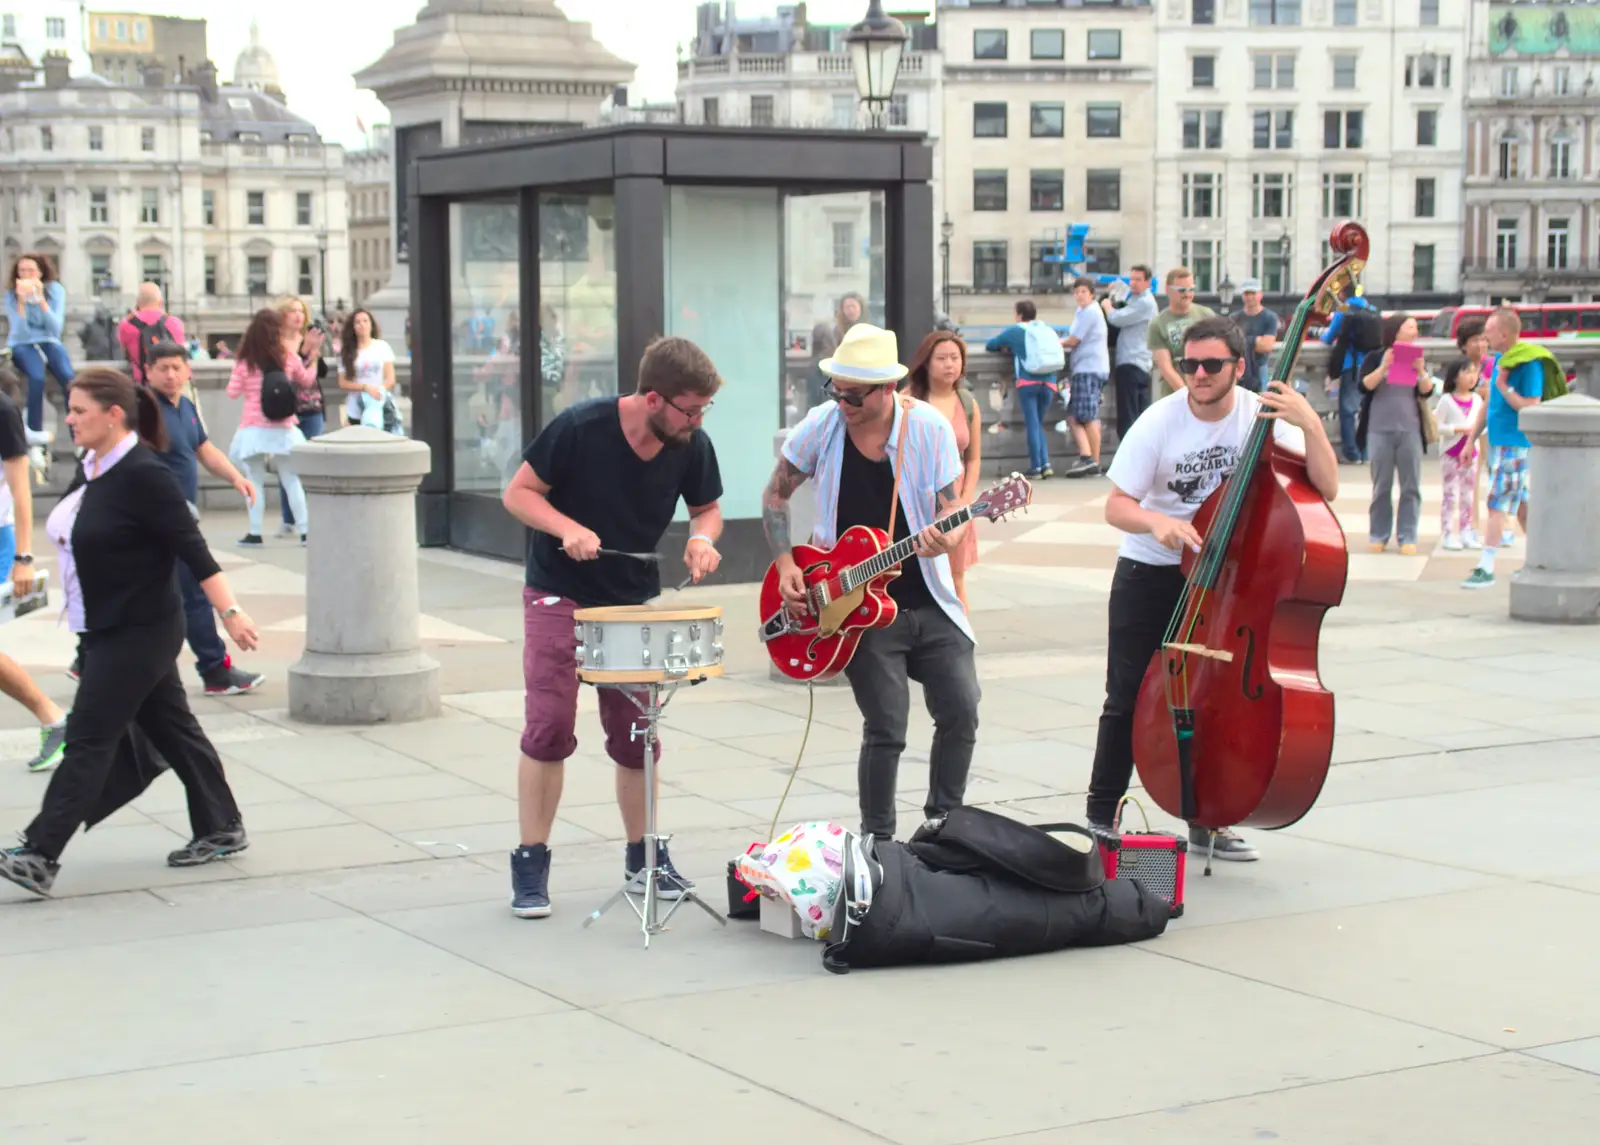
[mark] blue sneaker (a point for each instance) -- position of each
(670, 885)
(530, 881)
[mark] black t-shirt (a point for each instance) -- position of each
(13, 441)
(1253, 327)
(597, 479)
(865, 490)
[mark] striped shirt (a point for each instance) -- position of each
(816, 447)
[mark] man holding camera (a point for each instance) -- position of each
(1131, 319)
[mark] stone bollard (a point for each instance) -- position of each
(363, 662)
(802, 518)
(1560, 581)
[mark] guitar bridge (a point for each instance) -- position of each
(785, 623)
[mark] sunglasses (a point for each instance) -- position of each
(1180, 290)
(853, 398)
(1211, 366)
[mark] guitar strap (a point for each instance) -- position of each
(899, 461)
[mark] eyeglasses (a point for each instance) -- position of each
(692, 415)
(854, 398)
(1212, 366)
(1180, 290)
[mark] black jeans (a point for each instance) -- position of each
(923, 644)
(130, 678)
(1132, 392)
(1143, 599)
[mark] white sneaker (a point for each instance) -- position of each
(1452, 544)
(1508, 538)
(286, 530)
(1469, 540)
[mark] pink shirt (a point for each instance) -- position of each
(128, 335)
(58, 527)
(245, 382)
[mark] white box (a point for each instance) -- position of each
(778, 917)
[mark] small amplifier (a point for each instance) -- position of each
(1157, 859)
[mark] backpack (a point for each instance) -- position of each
(1044, 353)
(151, 335)
(278, 399)
(1361, 332)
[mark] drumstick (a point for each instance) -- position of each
(654, 558)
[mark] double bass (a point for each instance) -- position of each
(1233, 726)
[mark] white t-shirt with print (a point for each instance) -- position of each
(1171, 461)
(370, 361)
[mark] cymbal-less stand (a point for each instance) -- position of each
(648, 904)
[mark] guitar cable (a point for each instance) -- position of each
(811, 709)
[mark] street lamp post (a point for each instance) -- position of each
(1226, 291)
(322, 269)
(876, 45)
(946, 229)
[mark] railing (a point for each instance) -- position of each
(795, 63)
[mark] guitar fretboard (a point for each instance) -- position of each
(860, 574)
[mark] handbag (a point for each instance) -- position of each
(1430, 421)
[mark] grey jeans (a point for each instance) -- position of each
(1395, 453)
(923, 644)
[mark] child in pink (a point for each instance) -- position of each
(1458, 456)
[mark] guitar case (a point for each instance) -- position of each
(977, 886)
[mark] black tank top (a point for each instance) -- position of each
(865, 490)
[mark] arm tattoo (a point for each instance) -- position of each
(786, 478)
(946, 499)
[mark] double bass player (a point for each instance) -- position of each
(1179, 452)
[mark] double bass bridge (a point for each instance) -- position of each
(1219, 654)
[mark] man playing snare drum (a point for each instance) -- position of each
(605, 473)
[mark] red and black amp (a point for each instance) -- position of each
(1156, 859)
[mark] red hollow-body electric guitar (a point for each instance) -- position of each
(847, 588)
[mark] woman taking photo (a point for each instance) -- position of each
(120, 530)
(366, 369)
(938, 371)
(1392, 432)
(267, 429)
(305, 342)
(36, 311)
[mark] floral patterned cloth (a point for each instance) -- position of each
(805, 868)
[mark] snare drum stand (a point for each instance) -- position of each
(648, 908)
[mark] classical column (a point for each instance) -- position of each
(1560, 581)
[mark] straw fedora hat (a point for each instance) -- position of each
(867, 355)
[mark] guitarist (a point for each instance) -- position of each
(1177, 454)
(852, 447)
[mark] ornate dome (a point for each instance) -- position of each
(255, 68)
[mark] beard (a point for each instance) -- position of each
(667, 438)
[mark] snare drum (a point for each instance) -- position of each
(638, 644)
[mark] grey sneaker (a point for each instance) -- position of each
(52, 747)
(530, 881)
(29, 870)
(1083, 467)
(670, 884)
(226, 680)
(217, 845)
(1478, 578)
(1228, 845)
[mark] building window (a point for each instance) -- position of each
(1425, 204)
(1203, 12)
(122, 29)
(302, 208)
(211, 274)
(1344, 71)
(47, 139)
(989, 44)
(55, 27)
(1200, 256)
(1047, 191)
(256, 274)
(1505, 244)
(1102, 258)
(989, 120)
(1556, 234)
(1269, 261)
(989, 190)
(1560, 157)
(1341, 130)
(99, 271)
(900, 110)
(1202, 196)
(1510, 159)
(1344, 13)
(1341, 195)
(1202, 130)
(8, 26)
(255, 208)
(761, 111)
(1045, 120)
(1427, 128)
(152, 269)
(1428, 14)
(1271, 196)
(1048, 43)
(149, 206)
(1045, 270)
(989, 266)
(1203, 71)
(1273, 70)
(1561, 81)
(1273, 130)
(49, 214)
(99, 205)
(1105, 44)
(1428, 70)
(1105, 120)
(709, 113)
(1509, 83)
(1104, 191)
(147, 139)
(97, 139)
(1283, 12)
(844, 246)
(208, 208)
(1422, 268)
(304, 281)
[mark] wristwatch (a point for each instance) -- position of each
(229, 613)
(23, 559)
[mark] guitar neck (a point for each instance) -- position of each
(897, 553)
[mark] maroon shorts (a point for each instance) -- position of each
(550, 689)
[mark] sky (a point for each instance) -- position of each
(318, 44)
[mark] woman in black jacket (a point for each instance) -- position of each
(121, 529)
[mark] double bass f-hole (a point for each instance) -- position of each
(1249, 634)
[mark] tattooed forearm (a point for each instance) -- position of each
(786, 478)
(948, 498)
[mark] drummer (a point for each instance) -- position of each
(605, 473)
